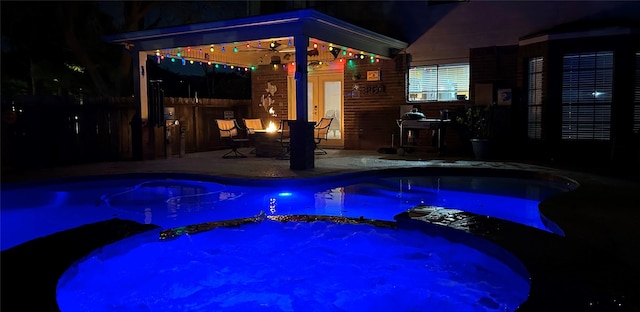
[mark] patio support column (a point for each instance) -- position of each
(142, 132)
(302, 145)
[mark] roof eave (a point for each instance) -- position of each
(306, 22)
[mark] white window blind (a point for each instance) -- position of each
(534, 101)
(587, 89)
(438, 83)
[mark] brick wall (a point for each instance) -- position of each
(260, 77)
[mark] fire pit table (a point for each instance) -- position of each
(267, 144)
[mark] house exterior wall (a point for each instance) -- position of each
(370, 117)
(622, 141)
(498, 66)
(477, 23)
(489, 35)
(370, 107)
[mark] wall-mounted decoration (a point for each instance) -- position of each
(483, 94)
(266, 100)
(374, 89)
(504, 97)
(228, 114)
(355, 93)
(373, 75)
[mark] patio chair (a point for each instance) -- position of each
(251, 125)
(285, 139)
(228, 129)
(320, 132)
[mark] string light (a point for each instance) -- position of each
(206, 58)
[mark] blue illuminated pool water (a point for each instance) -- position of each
(32, 212)
(317, 266)
(295, 266)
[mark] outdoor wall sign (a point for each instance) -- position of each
(373, 75)
(374, 89)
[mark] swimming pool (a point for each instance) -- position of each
(39, 210)
(176, 201)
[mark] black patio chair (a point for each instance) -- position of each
(229, 134)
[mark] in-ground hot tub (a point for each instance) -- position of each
(301, 263)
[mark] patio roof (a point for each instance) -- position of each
(248, 41)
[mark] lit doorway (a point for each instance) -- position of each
(325, 99)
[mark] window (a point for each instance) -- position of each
(439, 83)
(535, 98)
(587, 86)
(636, 97)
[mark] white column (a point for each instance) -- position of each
(142, 82)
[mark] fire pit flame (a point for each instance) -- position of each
(272, 127)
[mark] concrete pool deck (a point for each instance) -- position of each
(595, 267)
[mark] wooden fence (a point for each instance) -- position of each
(53, 131)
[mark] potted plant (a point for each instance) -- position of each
(476, 121)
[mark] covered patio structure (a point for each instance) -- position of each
(297, 39)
